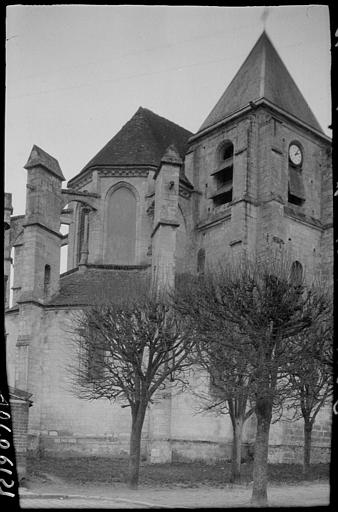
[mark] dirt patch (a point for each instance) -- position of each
(105, 470)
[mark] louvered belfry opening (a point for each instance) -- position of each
(223, 176)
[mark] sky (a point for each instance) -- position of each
(75, 74)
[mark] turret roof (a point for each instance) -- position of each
(39, 157)
(262, 75)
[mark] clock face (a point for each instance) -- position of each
(295, 154)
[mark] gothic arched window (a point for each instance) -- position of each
(121, 227)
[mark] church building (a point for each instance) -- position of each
(158, 201)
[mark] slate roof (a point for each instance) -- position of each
(142, 141)
(39, 157)
(100, 284)
(262, 75)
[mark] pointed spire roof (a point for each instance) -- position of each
(172, 156)
(142, 141)
(39, 157)
(262, 75)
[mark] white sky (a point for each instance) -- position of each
(76, 74)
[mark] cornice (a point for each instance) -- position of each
(208, 223)
(111, 170)
(253, 105)
(303, 219)
(45, 228)
(171, 223)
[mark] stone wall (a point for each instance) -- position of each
(20, 404)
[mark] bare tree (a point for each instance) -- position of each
(230, 385)
(311, 377)
(127, 352)
(268, 308)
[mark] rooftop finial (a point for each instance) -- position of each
(264, 16)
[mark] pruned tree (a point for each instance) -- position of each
(127, 352)
(229, 385)
(268, 308)
(311, 377)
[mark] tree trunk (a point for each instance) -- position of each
(135, 447)
(237, 427)
(307, 447)
(259, 496)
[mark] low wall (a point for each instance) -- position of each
(56, 445)
(209, 451)
(293, 454)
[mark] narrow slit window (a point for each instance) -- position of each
(46, 281)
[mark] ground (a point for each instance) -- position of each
(98, 483)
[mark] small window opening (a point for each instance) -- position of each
(296, 274)
(46, 281)
(228, 151)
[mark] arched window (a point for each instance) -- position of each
(223, 175)
(46, 280)
(226, 151)
(201, 261)
(121, 227)
(296, 274)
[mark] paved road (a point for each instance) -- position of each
(312, 494)
(78, 502)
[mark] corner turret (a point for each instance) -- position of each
(42, 237)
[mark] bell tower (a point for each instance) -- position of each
(261, 163)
